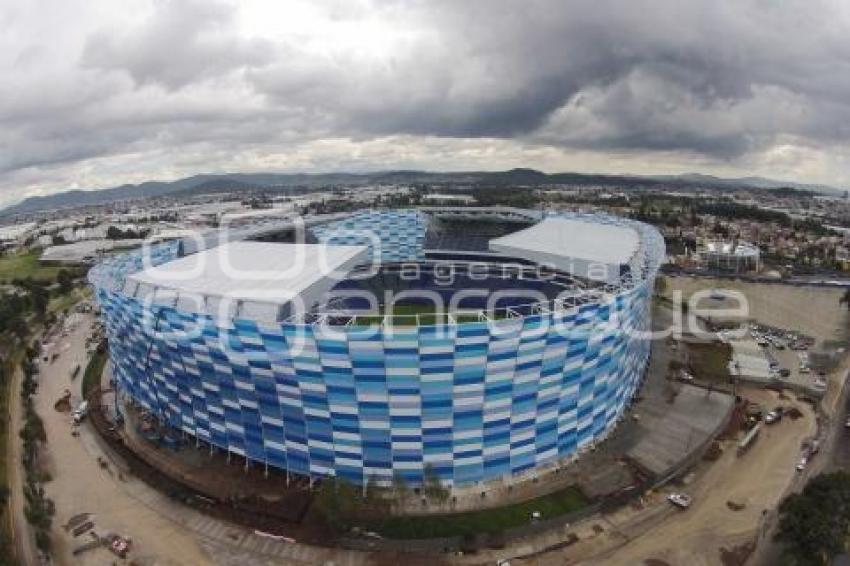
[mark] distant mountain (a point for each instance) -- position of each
(209, 184)
(749, 182)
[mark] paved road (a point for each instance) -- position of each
(822, 280)
(840, 453)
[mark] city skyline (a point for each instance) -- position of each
(97, 95)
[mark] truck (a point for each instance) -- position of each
(81, 412)
(749, 439)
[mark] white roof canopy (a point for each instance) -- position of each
(247, 277)
(583, 248)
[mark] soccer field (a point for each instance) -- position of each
(421, 315)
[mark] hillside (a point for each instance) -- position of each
(204, 184)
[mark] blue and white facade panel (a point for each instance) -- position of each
(472, 401)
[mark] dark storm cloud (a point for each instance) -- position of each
(152, 80)
(183, 42)
(506, 68)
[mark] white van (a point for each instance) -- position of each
(81, 412)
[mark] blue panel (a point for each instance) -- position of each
(477, 402)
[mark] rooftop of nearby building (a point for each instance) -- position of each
(731, 248)
(85, 251)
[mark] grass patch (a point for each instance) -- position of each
(63, 302)
(710, 362)
(422, 315)
(94, 369)
(490, 521)
(26, 266)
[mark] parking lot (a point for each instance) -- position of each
(813, 311)
(775, 357)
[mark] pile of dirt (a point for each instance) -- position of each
(713, 453)
(735, 505)
(63, 405)
(793, 413)
(737, 555)
(736, 421)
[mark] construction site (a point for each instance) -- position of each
(685, 433)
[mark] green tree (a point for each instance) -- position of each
(65, 280)
(401, 491)
(661, 285)
(845, 298)
(38, 294)
(373, 497)
(338, 503)
(814, 523)
(433, 487)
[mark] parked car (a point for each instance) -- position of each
(801, 465)
(680, 500)
(814, 448)
(772, 417)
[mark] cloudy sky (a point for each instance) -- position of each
(95, 93)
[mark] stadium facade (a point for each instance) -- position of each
(490, 388)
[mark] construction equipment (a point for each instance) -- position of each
(749, 439)
(119, 545)
(88, 525)
(76, 520)
(91, 545)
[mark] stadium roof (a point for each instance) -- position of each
(255, 276)
(585, 248)
(740, 249)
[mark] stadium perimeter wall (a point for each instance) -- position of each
(473, 401)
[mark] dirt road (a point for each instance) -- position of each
(80, 484)
(835, 455)
(757, 479)
(86, 479)
(694, 537)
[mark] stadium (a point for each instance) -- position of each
(470, 343)
(735, 256)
